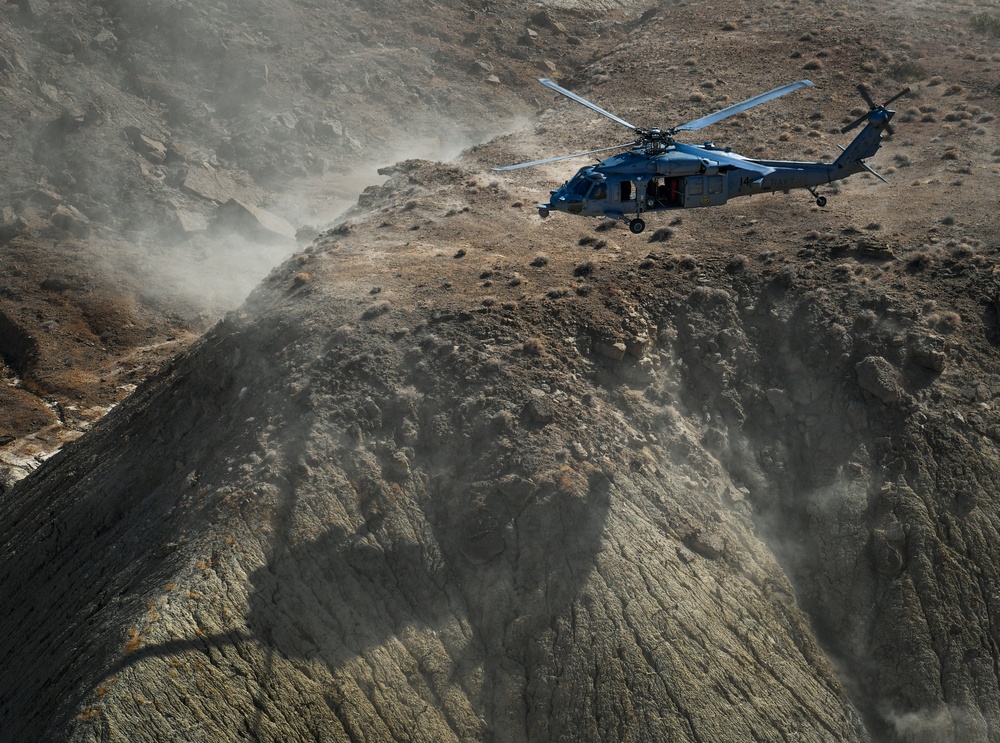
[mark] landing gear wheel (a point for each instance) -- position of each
(637, 225)
(821, 201)
(543, 213)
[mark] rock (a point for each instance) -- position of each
(70, 219)
(208, 184)
(879, 377)
(539, 407)
(45, 197)
(153, 150)
(638, 346)
(887, 548)
(542, 19)
(614, 351)
(105, 40)
(708, 543)
(398, 466)
(184, 223)
(877, 250)
(927, 351)
(480, 67)
(253, 222)
(49, 92)
(780, 401)
(11, 225)
(329, 128)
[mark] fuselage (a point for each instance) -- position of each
(672, 175)
(636, 181)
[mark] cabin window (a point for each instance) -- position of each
(696, 186)
(626, 190)
(599, 192)
(715, 184)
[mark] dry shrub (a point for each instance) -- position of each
(906, 71)
(919, 261)
(540, 260)
(532, 347)
(945, 322)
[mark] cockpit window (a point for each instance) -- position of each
(580, 189)
(599, 191)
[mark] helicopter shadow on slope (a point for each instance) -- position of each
(451, 578)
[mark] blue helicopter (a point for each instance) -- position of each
(659, 173)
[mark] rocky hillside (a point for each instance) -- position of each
(453, 472)
(160, 159)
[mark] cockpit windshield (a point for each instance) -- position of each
(582, 183)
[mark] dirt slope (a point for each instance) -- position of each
(457, 473)
(130, 128)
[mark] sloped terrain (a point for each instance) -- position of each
(160, 158)
(457, 473)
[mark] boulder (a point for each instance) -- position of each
(208, 184)
(878, 376)
(152, 149)
(183, 223)
(253, 222)
(72, 220)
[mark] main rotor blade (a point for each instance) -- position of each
(723, 158)
(561, 157)
(903, 92)
(583, 102)
(738, 107)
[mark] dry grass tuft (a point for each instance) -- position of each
(532, 347)
(133, 643)
(906, 71)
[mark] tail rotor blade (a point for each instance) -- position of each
(854, 124)
(868, 99)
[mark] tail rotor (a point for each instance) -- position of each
(876, 114)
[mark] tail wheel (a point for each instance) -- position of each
(637, 225)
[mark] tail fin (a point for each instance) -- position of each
(867, 143)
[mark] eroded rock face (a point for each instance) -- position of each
(247, 515)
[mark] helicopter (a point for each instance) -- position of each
(659, 173)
